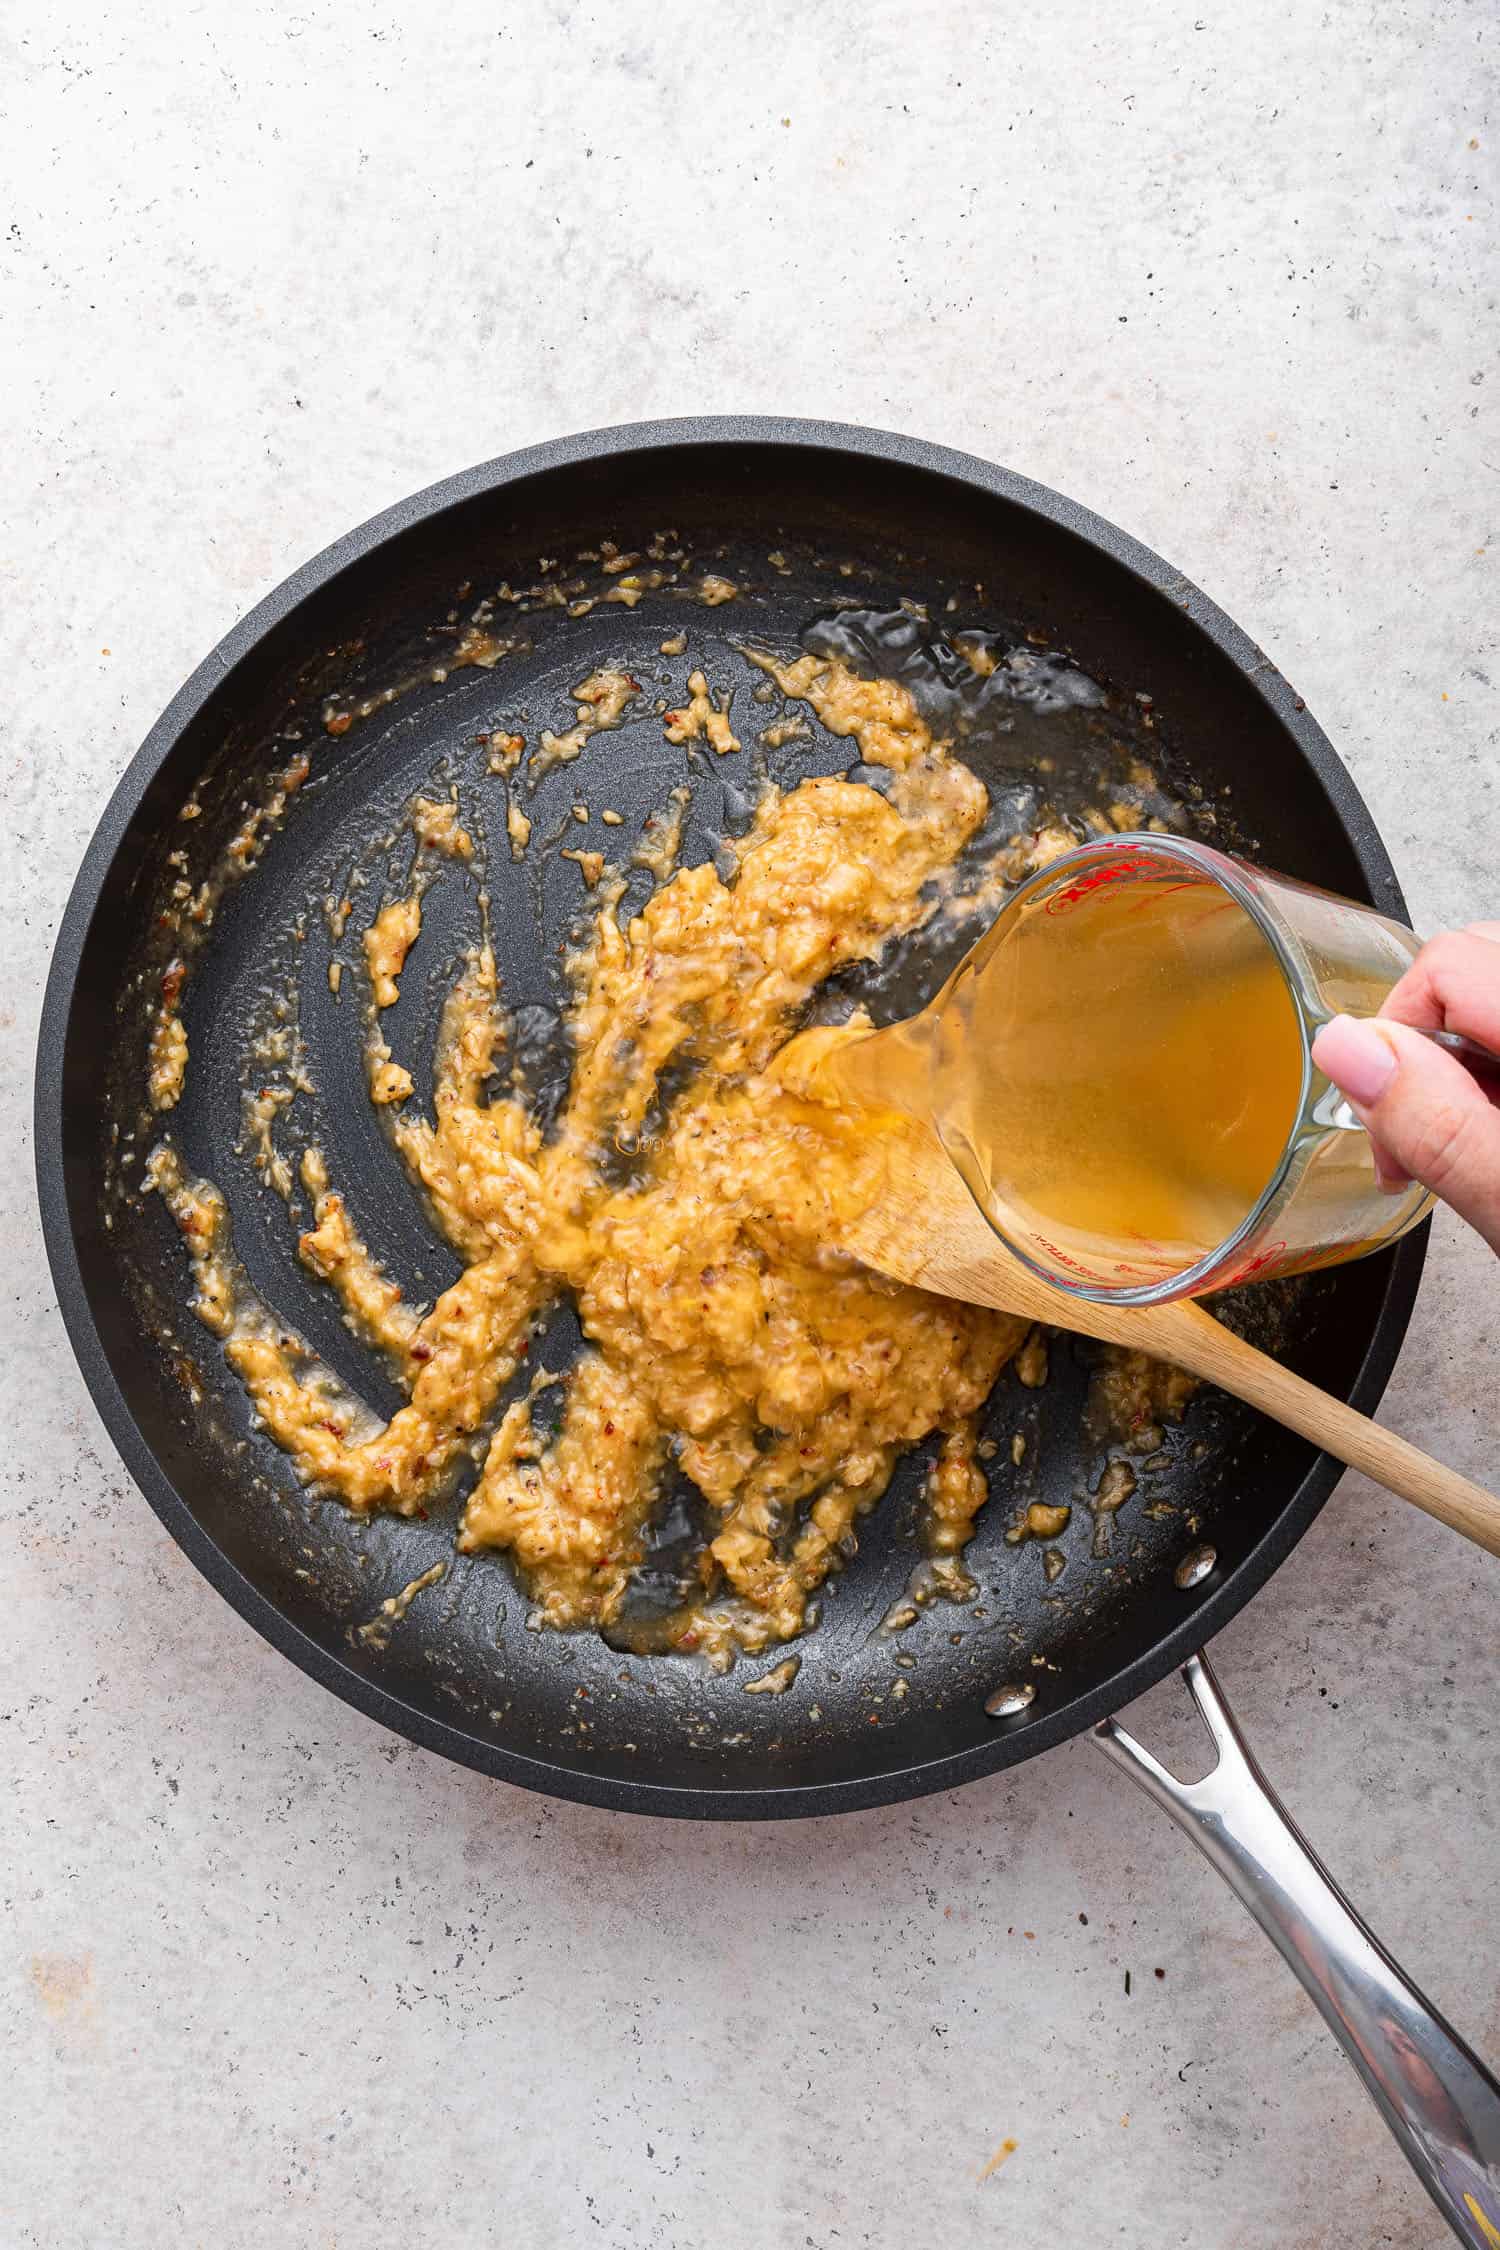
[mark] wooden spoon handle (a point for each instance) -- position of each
(1211, 1350)
(929, 1231)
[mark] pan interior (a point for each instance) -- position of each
(805, 536)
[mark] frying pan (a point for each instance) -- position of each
(805, 520)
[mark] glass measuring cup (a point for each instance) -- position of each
(1121, 1070)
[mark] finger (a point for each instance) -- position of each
(1422, 1110)
(1453, 985)
(1389, 1175)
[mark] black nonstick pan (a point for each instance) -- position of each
(273, 790)
(372, 631)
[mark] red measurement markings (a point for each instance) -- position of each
(1261, 1267)
(1094, 879)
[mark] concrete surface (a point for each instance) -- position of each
(1229, 275)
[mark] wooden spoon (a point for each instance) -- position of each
(926, 1229)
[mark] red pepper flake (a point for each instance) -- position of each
(609, 1429)
(339, 722)
(421, 1351)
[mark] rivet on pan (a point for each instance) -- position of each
(1007, 1701)
(1195, 1566)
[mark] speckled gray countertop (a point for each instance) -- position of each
(1226, 274)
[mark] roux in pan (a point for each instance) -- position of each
(724, 1337)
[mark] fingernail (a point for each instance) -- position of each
(1356, 1058)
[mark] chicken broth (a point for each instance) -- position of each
(1121, 1077)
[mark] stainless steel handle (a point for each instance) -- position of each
(1433, 2092)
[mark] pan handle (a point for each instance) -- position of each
(1435, 2095)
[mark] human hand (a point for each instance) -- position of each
(1429, 1118)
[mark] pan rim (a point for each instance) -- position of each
(1012, 1743)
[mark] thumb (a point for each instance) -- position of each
(1423, 1110)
